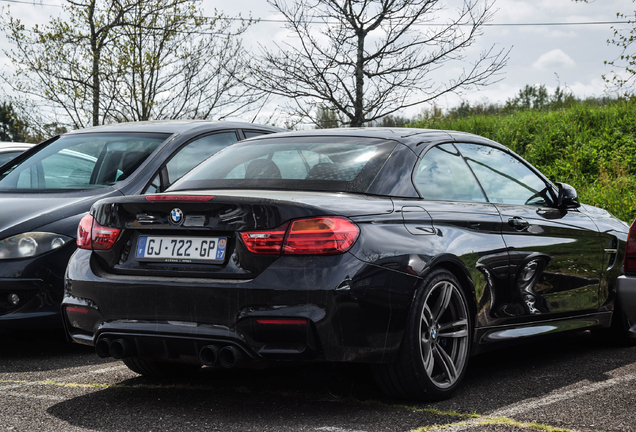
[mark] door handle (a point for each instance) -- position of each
(518, 223)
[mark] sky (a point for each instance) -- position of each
(571, 56)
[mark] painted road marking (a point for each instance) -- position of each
(502, 415)
(21, 384)
(336, 429)
(534, 403)
(497, 417)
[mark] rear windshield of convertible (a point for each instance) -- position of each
(343, 164)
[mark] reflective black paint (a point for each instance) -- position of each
(527, 271)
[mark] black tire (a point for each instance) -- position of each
(433, 357)
(158, 369)
(618, 332)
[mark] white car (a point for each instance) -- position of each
(9, 150)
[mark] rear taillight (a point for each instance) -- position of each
(630, 250)
(311, 236)
(265, 242)
(91, 235)
(320, 236)
(84, 232)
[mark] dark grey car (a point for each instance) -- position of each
(45, 192)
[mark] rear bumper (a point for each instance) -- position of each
(337, 309)
(626, 292)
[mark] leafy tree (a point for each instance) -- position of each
(79, 65)
(11, 127)
(624, 78)
(624, 38)
(538, 98)
(178, 64)
(327, 118)
(368, 59)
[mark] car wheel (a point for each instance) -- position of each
(433, 357)
(158, 369)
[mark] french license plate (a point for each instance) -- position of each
(181, 249)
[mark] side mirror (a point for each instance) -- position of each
(568, 198)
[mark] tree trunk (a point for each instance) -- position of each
(96, 88)
(358, 104)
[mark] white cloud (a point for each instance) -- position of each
(554, 60)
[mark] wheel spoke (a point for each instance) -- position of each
(426, 318)
(427, 357)
(446, 363)
(443, 301)
(460, 329)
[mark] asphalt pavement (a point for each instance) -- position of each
(571, 383)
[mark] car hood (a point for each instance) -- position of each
(24, 213)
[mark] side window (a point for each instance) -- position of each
(252, 133)
(505, 179)
(196, 152)
(154, 186)
(442, 174)
(63, 170)
(28, 178)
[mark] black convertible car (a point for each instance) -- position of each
(45, 191)
(409, 249)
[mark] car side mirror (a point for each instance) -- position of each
(568, 198)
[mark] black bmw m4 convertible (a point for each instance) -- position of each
(408, 249)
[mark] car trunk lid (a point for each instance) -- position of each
(199, 234)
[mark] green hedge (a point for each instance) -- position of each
(591, 147)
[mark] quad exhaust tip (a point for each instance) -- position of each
(117, 349)
(208, 355)
(229, 357)
(102, 348)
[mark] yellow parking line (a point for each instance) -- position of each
(484, 421)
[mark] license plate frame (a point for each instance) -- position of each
(181, 249)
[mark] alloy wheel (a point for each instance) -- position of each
(444, 333)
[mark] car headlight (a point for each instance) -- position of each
(31, 244)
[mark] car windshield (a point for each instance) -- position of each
(342, 164)
(82, 161)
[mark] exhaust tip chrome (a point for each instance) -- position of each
(229, 357)
(121, 348)
(102, 348)
(208, 355)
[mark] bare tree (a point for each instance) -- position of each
(370, 58)
(80, 64)
(178, 64)
(623, 79)
(624, 38)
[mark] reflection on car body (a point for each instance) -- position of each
(407, 249)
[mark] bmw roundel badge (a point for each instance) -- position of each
(176, 216)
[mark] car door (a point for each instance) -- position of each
(455, 219)
(556, 255)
